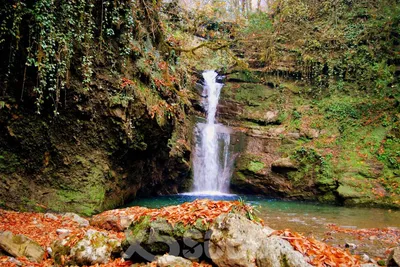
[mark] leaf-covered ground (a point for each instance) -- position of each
(42, 229)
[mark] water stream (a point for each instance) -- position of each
(212, 163)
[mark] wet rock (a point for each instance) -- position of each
(284, 163)
(21, 246)
(394, 258)
(169, 260)
(78, 219)
(276, 252)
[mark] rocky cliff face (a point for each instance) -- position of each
(95, 113)
(89, 158)
(298, 147)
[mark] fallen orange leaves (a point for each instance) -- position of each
(42, 229)
(319, 254)
(390, 236)
(186, 213)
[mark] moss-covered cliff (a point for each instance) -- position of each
(92, 106)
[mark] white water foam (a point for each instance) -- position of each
(212, 163)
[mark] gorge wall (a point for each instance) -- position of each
(93, 110)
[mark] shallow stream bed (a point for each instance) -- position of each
(335, 225)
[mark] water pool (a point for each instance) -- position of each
(311, 219)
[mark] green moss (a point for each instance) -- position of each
(256, 166)
(9, 162)
(86, 201)
(249, 163)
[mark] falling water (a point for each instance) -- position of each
(212, 163)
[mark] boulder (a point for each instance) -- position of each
(394, 258)
(21, 246)
(157, 237)
(112, 221)
(276, 252)
(235, 241)
(76, 218)
(169, 260)
(95, 247)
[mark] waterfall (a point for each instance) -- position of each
(212, 165)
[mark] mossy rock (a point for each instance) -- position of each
(157, 236)
(249, 163)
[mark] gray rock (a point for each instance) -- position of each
(394, 258)
(276, 252)
(169, 260)
(284, 163)
(50, 216)
(78, 219)
(95, 247)
(235, 241)
(21, 246)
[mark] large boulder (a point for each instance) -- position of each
(157, 237)
(94, 248)
(237, 241)
(21, 246)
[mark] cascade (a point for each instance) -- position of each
(212, 163)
